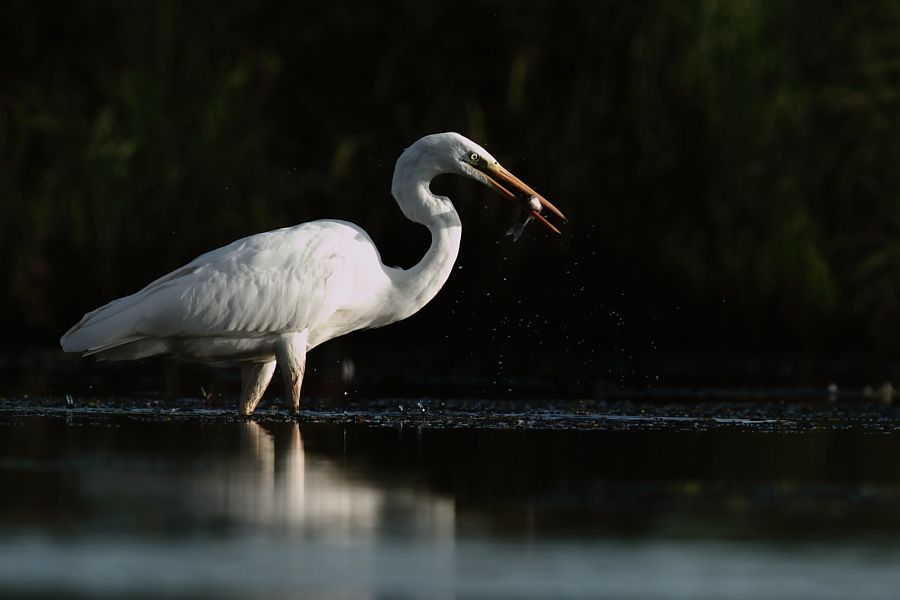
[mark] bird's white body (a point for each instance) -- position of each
(274, 296)
(232, 304)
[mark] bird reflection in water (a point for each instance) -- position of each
(275, 482)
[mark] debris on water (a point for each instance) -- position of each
(525, 216)
(639, 413)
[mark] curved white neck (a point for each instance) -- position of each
(415, 287)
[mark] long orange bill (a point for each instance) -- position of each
(517, 192)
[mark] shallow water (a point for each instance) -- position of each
(628, 499)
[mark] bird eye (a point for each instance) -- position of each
(474, 157)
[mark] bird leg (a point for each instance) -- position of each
(290, 351)
(255, 378)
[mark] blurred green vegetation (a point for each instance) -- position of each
(731, 168)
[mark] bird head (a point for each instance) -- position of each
(453, 153)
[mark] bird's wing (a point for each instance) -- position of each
(271, 282)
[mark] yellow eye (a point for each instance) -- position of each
(474, 157)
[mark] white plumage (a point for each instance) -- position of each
(272, 297)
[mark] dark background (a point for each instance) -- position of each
(731, 171)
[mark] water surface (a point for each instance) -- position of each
(109, 501)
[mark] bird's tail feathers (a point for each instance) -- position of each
(110, 333)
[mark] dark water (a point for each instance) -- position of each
(704, 502)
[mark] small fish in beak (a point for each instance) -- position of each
(525, 216)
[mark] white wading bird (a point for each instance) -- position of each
(273, 297)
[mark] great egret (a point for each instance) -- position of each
(272, 297)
